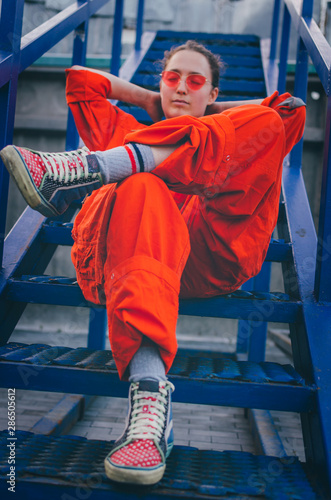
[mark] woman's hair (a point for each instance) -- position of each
(215, 62)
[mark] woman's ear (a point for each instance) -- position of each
(213, 96)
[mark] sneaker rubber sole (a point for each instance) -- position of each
(15, 165)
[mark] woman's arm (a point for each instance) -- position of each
(219, 107)
(131, 93)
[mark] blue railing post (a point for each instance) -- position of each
(307, 8)
(244, 331)
(10, 39)
(258, 339)
(97, 328)
(139, 28)
(98, 317)
(117, 38)
(252, 333)
(323, 259)
(284, 50)
(301, 79)
(274, 30)
(79, 58)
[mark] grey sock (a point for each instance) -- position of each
(118, 163)
(147, 364)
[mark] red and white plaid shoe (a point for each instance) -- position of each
(49, 182)
(139, 455)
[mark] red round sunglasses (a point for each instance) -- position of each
(194, 82)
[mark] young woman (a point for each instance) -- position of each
(196, 220)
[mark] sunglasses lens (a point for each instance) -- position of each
(195, 82)
(170, 78)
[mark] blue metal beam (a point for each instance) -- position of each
(284, 50)
(311, 336)
(42, 38)
(318, 47)
(312, 340)
(60, 419)
(323, 262)
(24, 252)
(11, 25)
(307, 8)
(97, 328)
(134, 60)
(258, 337)
(244, 330)
(140, 21)
(300, 90)
(302, 231)
(48, 34)
(117, 38)
(265, 435)
(274, 30)
(78, 57)
(10, 36)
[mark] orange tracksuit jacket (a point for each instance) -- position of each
(199, 225)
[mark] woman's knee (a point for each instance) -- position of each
(142, 180)
(271, 127)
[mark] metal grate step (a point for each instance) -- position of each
(242, 77)
(198, 379)
(59, 233)
(44, 463)
(242, 304)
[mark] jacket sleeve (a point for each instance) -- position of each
(206, 146)
(201, 160)
(292, 111)
(100, 124)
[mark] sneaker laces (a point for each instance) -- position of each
(148, 413)
(68, 166)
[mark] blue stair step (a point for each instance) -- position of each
(242, 78)
(249, 73)
(242, 304)
(214, 380)
(59, 233)
(230, 60)
(46, 464)
(220, 45)
(207, 38)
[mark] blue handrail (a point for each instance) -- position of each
(117, 33)
(10, 37)
(17, 53)
(311, 43)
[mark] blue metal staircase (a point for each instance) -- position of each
(70, 466)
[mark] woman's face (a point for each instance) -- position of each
(181, 100)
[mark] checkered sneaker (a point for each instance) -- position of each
(49, 182)
(139, 455)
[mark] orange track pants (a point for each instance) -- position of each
(132, 241)
(147, 248)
